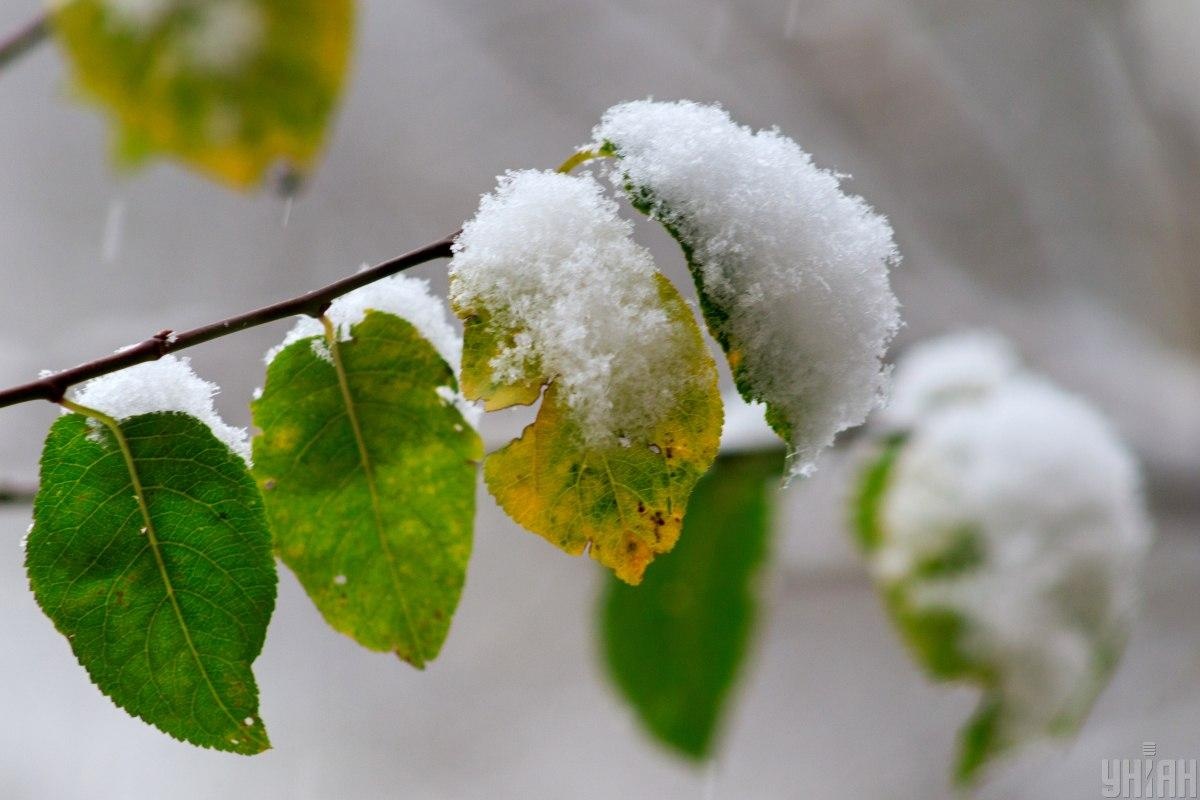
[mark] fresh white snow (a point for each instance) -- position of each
(404, 296)
(948, 370)
(166, 385)
(1054, 499)
(548, 257)
(799, 266)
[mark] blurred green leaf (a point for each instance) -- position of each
(230, 87)
(152, 556)
(369, 479)
(934, 636)
(674, 644)
(937, 635)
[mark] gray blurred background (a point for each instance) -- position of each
(1040, 161)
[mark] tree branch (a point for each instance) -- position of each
(15, 494)
(314, 303)
(24, 39)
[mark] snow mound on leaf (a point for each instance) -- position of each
(1053, 501)
(951, 369)
(799, 266)
(403, 296)
(548, 257)
(406, 297)
(165, 385)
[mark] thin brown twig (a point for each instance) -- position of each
(12, 494)
(25, 38)
(53, 387)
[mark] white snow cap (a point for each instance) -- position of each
(547, 256)
(951, 369)
(404, 296)
(1053, 500)
(800, 267)
(168, 384)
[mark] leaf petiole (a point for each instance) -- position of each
(580, 158)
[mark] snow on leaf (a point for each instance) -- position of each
(368, 472)
(230, 87)
(1006, 529)
(168, 384)
(792, 272)
(554, 292)
(626, 498)
(150, 552)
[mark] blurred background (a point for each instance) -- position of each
(1040, 161)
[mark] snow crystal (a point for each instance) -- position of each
(168, 384)
(406, 297)
(548, 257)
(947, 370)
(1055, 501)
(800, 267)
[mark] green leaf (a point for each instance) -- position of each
(626, 500)
(868, 501)
(933, 635)
(675, 644)
(230, 87)
(150, 552)
(369, 480)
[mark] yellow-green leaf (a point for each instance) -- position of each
(626, 499)
(229, 87)
(481, 343)
(369, 478)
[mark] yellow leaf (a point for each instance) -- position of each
(627, 500)
(229, 87)
(480, 346)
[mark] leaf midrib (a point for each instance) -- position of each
(418, 653)
(155, 547)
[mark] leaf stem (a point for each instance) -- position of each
(581, 157)
(20, 41)
(53, 387)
